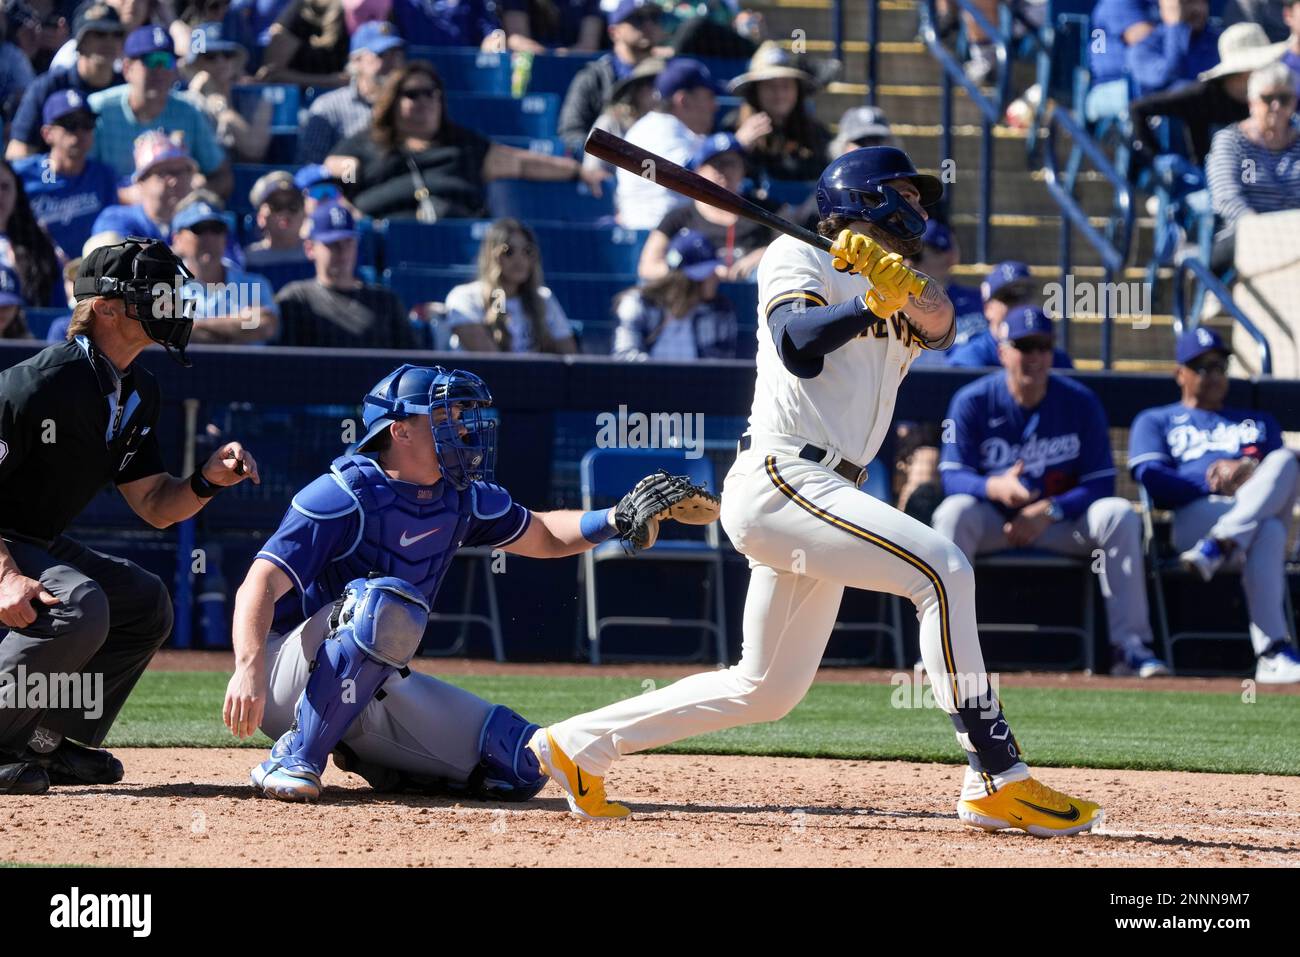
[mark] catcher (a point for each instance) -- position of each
(336, 603)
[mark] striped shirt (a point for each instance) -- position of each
(333, 117)
(1245, 177)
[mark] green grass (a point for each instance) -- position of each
(1146, 729)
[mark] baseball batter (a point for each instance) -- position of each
(836, 336)
(336, 602)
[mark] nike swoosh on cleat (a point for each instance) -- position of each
(1070, 815)
(582, 792)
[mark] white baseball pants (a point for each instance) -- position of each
(808, 533)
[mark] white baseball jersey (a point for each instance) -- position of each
(849, 405)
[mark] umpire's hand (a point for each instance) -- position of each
(17, 592)
(230, 465)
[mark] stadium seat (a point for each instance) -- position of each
(548, 145)
(283, 148)
(552, 73)
(565, 248)
(480, 559)
(606, 475)
(534, 115)
(283, 96)
(557, 202)
(415, 285)
(466, 70)
(40, 319)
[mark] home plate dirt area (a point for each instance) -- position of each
(192, 806)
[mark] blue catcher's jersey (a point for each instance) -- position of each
(355, 520)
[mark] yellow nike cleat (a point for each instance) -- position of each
(1030, 806)
(585, 792)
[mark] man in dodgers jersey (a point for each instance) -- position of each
(1232, 486)
(336, 603)
(1026, 463)
(836, 336)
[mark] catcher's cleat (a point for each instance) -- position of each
(1030, 806)
(585, 792)
(22, 776)
(275, 781)
(72, 763)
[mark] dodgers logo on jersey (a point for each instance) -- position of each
(997, 454)
(1187, 443)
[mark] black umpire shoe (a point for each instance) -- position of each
(72, 763)
(22, 777)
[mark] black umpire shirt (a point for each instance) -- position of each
(70, 424)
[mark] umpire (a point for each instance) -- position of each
(74, 417)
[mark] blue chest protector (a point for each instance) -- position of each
(404, 530)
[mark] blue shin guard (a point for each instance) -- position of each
(377, 630)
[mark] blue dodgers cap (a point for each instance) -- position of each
(1193, 344)
(937, 236)
(147, 39)
(1004, 275)
(683, 73)
(64, 103)
(331, 222)
(692, 253)
(714, 145)
(207, 38)
(11, 290)
(1025, 321)
(195, 213)
(377, 36)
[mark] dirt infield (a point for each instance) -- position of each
(192, 807)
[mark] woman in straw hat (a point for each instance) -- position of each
(775, 123)
(1218, 98)
(1265, 145)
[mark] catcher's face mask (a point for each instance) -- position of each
(464, 428)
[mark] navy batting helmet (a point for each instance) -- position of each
(465, 437)
(854, 186)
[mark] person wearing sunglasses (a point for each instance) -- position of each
(1010, 284)
(634, 33)
(377, 50)
(1232, 486)
(508, 308)
(279, 210)
(1266, 145)
(147, 102)
(1026, 462)
(231, 306)
(98, 42)
(214, 65)
(414, 162)
(66, 188)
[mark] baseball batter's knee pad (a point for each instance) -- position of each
(508, 770)
(385, 617)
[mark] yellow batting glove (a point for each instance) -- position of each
(855, 253)
(892, 282)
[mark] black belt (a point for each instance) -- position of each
(854, 473)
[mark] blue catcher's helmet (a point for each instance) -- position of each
(464, 438)
(854, 186)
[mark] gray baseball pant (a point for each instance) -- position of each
(1256, 520)
(112, 616)
(1110, 524)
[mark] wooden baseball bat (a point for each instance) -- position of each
(641, 162)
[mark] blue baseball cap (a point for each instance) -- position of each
(1194, 343)
(195, 213)
(712, 146)
(206, 38)
(683, 73)
(1004, 275)
(331, 222)
(309, 176)
(11, 290)
(63, 103)
(938, 236)
(628, 9)
(377, 36)
(142, 41)
(1022, 322)
(692, 253)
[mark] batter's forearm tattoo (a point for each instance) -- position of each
(932, 308)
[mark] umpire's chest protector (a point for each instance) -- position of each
(404, 530)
